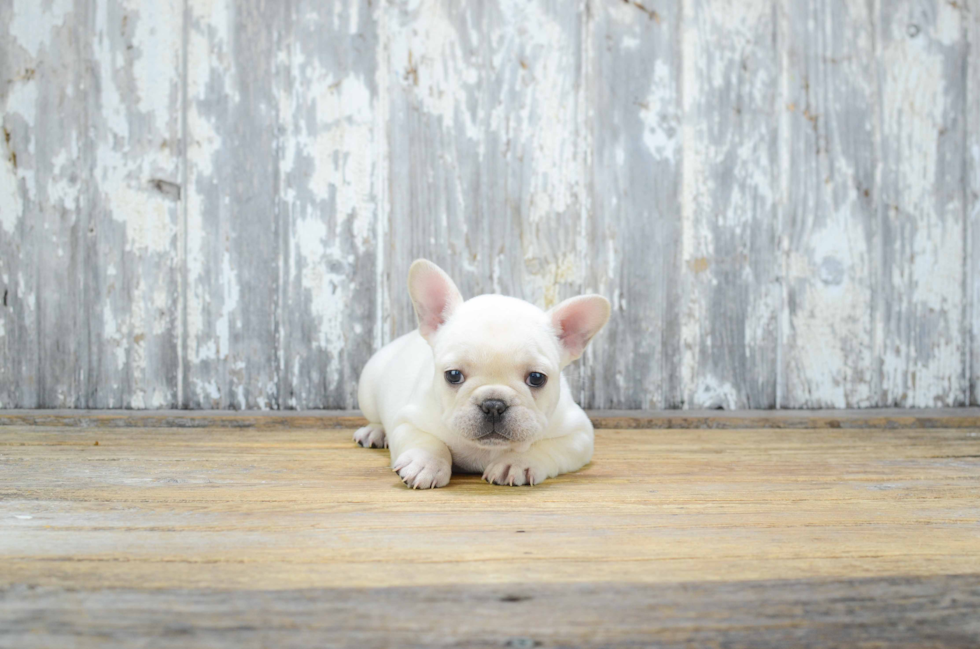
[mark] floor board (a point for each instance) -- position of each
(296, 537)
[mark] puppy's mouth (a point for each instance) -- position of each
(493, 438)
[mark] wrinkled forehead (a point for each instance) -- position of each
(498, 333)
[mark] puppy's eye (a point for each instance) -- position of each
(454, 376)
(536, 379)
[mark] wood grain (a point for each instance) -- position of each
(131, 265)
(972, 193)
(488, 158)
(307, 508)
(903, 612)
(829, 230)
(328, 195)
(731, 295)
(231, 221)
(749, 538)
(635, 225)
(19, 348)
(45, 205)
(215, 205)
(618, 419)
(921, 210)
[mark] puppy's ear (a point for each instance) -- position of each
(434, 296)
(576, 320)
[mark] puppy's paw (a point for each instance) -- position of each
(371, 436)
(515, 470)
(419, 469)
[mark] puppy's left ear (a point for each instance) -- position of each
(576, 320)
(434, 296)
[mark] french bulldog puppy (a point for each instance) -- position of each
(478, 386)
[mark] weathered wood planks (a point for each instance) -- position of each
(972, 194)
(488, 150)
(328, 144)
(213, 203)
(636, 213)
(902, 612)
(232, 217)
(130, 270)
(829, 238)
(921, 204)
(289, 537)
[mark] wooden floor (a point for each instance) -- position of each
(292, 537)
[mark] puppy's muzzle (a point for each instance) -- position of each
(493, 409)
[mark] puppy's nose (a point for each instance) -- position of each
(493, 407)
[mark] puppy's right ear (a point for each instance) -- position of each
(434, 296)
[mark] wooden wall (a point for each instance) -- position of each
(213, 203)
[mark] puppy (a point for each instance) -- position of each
(478, 386)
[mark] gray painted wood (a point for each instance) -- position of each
(131, 265)
(829, 229)
(636, 219)
(214, 203)
(328, 196)
(45, 205)
(731, 294)
(972, 193)
(232, 222)
(19, 349)
(921, 204)
(487, 155)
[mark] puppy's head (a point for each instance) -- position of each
(498, 359)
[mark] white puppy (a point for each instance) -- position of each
(478, 386)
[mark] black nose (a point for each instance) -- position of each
(493, 407)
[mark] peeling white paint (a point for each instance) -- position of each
(727, 191)
(11, 203)
(231, 294)
(328, 293)
(712, 392)
(659, 115)
(159, 33)
(923, 346)
(342, 152)
(434, 66)
(505, 99)
(34, 20)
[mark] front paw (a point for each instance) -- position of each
(419, 469)
(371, 436)
(515, 470)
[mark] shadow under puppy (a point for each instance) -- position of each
(478, 386)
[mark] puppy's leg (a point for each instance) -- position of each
(545, 459)
(420, 459)
(371, 436)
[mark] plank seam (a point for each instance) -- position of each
(181, 396)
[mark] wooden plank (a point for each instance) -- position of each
(329, 201)
(20, 54)
(635, 226)
(487, 155)
(922, 57)
(608, 419)
(729, 317)
(231, 221)
(829, 228)
(972, 19)
(131, 273)
(43, 195)
(288, 509)
(891, 611)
